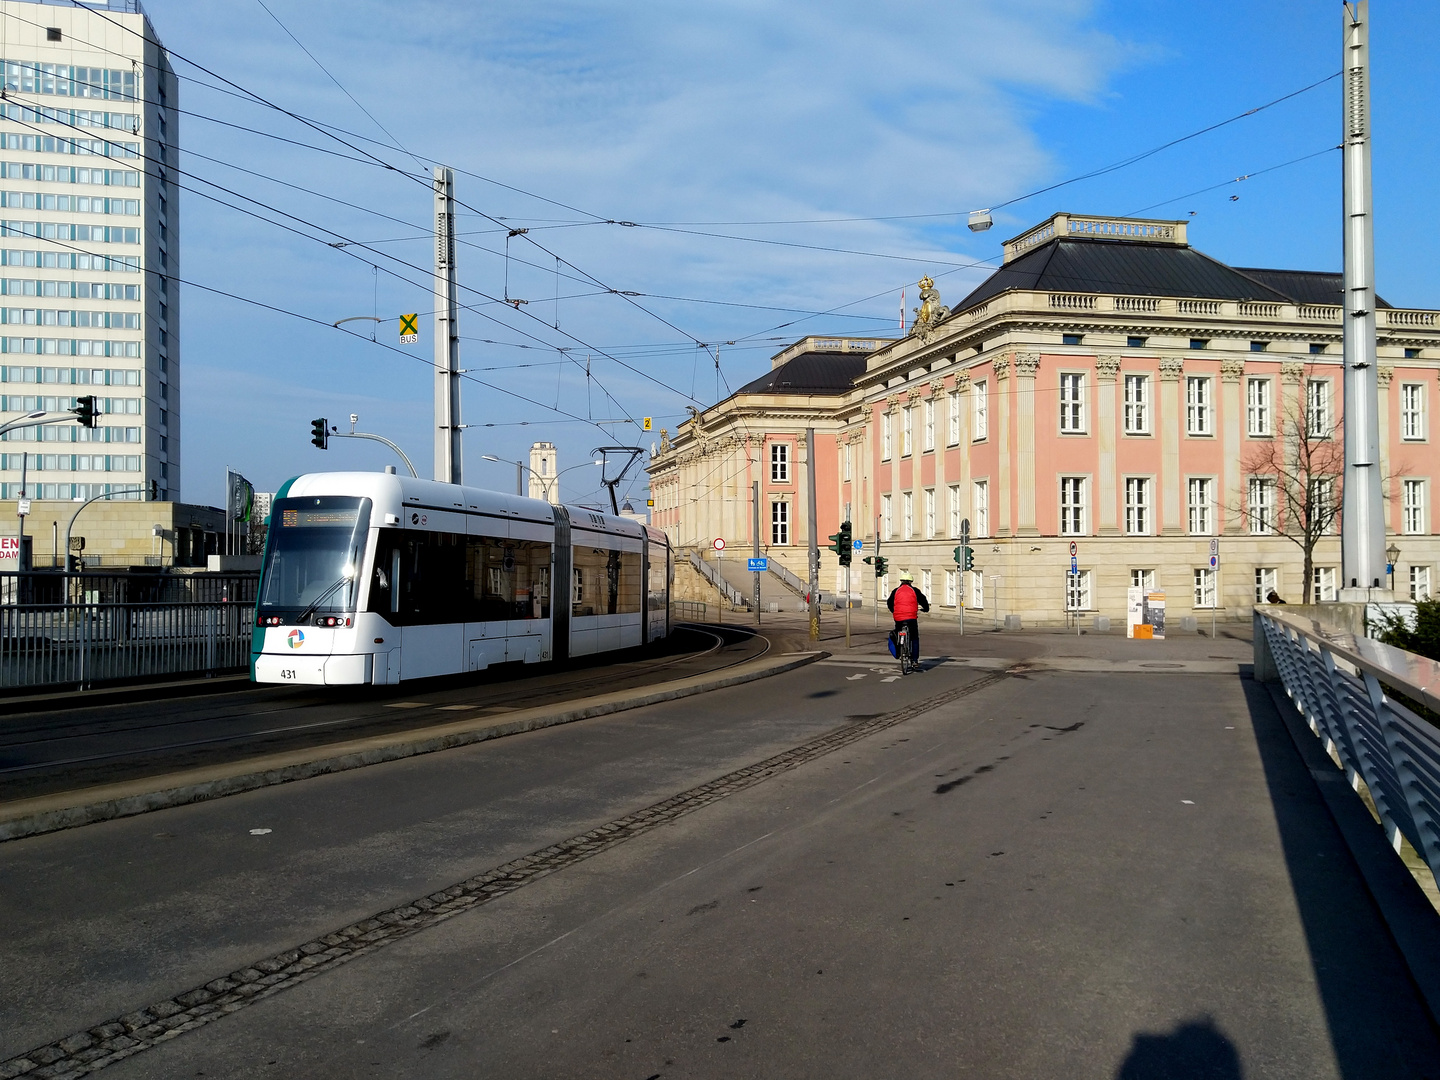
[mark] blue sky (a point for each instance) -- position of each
(696, 123)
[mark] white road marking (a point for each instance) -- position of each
(890, 678)
(1188, 802)
(852, 678)
(259, 832)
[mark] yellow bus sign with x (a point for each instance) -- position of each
(409, 328)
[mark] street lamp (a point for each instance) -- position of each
(1392, 556)
(521, 469)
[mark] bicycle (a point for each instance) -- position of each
(902, 647)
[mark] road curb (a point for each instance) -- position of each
(50, 813)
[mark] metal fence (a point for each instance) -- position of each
(1346, 688)
(82, 629)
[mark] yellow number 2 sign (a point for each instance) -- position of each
(647, 423)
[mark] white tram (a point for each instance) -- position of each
(374, 578)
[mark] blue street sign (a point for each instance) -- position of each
(859, 545)
(757, 565)
(1074, 567)
(1213, 561)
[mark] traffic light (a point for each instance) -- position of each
(154, 490)
(969, 559)
(319, 436)
(880, 565)
(960, 554)
(85, 410)
(840, 543)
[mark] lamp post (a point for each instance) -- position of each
(521, 469)
(549, 481)
(1392, 556)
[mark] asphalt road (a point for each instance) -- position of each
(43, 752)
(1057, 874)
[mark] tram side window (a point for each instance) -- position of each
(606, 582)
(656, 586)
(508, 579)
(425, 577)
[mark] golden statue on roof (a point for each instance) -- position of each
(931, 311)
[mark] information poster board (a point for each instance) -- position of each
(1145, 614)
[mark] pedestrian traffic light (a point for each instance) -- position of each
(319, 436)
(85, 410)
(880, 565)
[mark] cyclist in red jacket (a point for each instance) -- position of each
(905, 603)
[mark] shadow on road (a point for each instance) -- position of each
(1378, 1025)
(1195, 1050)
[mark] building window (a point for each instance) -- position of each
(1077, 591)
(1323, 587)
(1257, 346)
(1321, 423)
(1199, 343)
(927, 583)
(887, 519)
(1070, 339)
(779, 523)
(955, 513)
(929, 513)
(1072, 506)
(907, 509)
(1072, 402)
(1323, 507)
(953, 420)
(1258, 423)
(886, 435)
(1267, 580)
(779, 463)
(1135, 342)
(1137, 505)
(907, 431)
(1413, 506)
(1419, 583)
(952, 593)
(849, 456)
(1199, 409)
(1199, 495)
(929, 414)
(1260, 504)
(1137, 404)
(980, 508)
(1412, 411)
(1204, 587)
(977, 589)
(1142, 579)
(979, 421)
(1412, 354)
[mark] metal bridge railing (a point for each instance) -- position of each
(1345, 687)
(80, 629)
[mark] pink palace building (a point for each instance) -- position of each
(1109, 387)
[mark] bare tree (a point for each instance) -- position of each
(1293, 479)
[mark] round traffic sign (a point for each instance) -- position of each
(719, 543)
(1213, 561)
(1074, 549)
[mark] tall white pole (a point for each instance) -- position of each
(1362, 535)
(447, 334)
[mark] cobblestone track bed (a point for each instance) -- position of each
(124, 1036)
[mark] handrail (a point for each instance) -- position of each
(728, 591)
(1342, 684)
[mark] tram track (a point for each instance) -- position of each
(33, 766)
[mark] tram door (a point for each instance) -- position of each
(560, 587)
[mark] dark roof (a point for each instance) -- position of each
(1304, 286)
(810, 373)
(1122, 266)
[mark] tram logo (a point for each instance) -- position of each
(296, 639)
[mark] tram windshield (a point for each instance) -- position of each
(313, 561)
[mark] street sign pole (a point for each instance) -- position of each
(719, 545)
(877, 576)
(1075, 584)
(755, 544)
(1215, 567)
